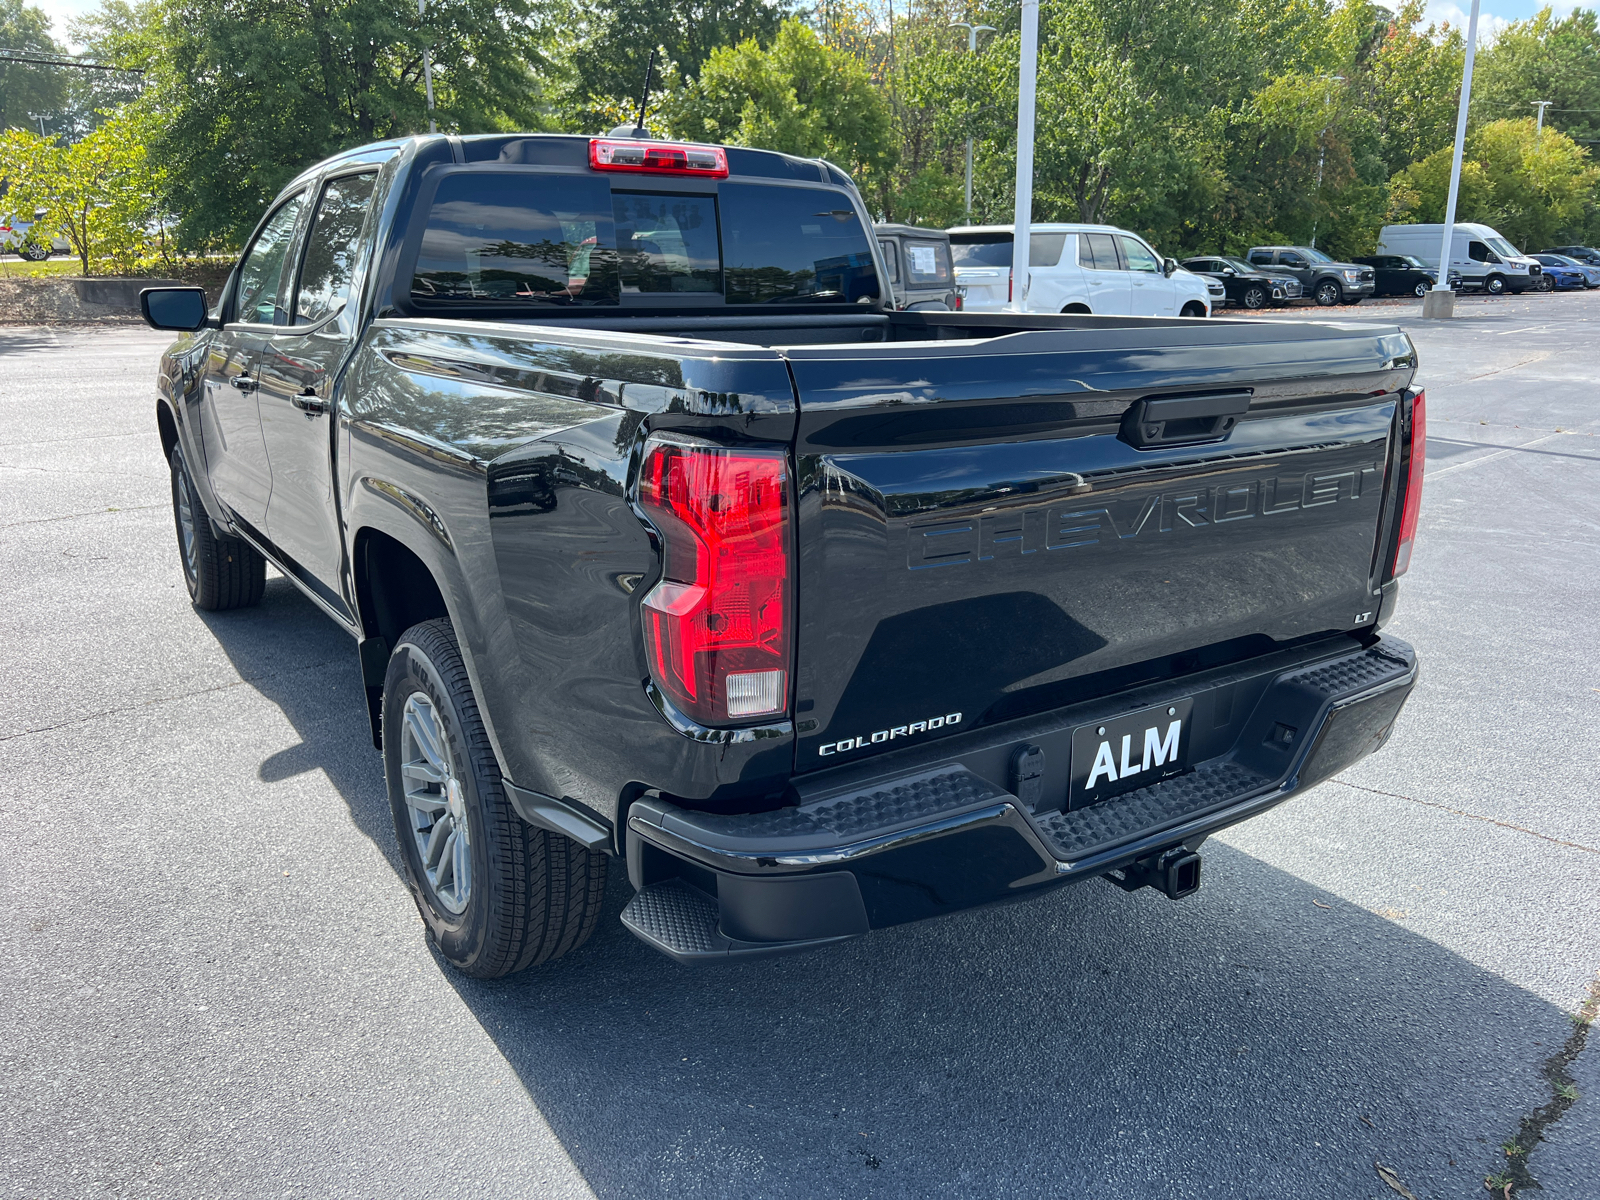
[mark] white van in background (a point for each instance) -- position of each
(1484, 258)
(1078, 268)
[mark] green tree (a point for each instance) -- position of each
(797, 96)
(246, 93)
(609, 46)
(28, 91)
(101, 191)
(1534, 190)
(1543, 59)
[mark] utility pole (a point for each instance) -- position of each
(1541, 105)
(972, 48)
(1441, 301)
(1322, 153)
(1027, 81)
(427, 70)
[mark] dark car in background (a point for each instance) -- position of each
(1552, 262)
(1245, 285)
(1326, 280)
(1584, 254)
(1404, 275)
(919, 268)
(1561, 274)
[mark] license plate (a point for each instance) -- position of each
(1129, 752)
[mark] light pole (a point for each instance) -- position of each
(1541, 105)
(1440, 300)
(1027, 80)
(427, 70)
(1322, 153)
(972, 48)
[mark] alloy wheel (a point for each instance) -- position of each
(436, 804)
(186, 529)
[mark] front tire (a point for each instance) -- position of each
(1495, 285)
(1193, 309)
(1255, 297)
(220, 572)
(1422, 289)
(1329, 293)
(496, 894)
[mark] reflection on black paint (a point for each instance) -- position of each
(996, 639)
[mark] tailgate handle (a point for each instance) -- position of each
(1183, 420)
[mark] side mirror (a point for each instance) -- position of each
(1168, 266)
(180, 309)
(1229, 271)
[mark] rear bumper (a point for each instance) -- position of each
(864, 852)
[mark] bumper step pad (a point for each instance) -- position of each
(684, 922)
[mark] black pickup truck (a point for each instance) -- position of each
(661, 535)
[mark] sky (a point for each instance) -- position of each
(1493, 14)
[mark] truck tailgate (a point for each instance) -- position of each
(979, 540)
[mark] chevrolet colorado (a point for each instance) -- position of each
(663, 534)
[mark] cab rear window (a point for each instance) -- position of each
(527, 240)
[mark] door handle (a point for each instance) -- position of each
(243, 383)
(309, 403)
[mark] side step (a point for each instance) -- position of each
(684, 922)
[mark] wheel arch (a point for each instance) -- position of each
(395, 589)
(167, 427)
(1078, 309)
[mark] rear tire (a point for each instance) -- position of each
(33, 252)
(1255, 296)
(499, 895)
(220, 572)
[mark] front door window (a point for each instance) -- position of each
(261, 273)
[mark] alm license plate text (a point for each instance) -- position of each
(1129, 752)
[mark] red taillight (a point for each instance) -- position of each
(658, 158)
(1008, 287)
(716, 626)
(1419, 455)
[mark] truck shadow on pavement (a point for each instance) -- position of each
(1262, 1039)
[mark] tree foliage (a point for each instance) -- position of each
(797, 96)
(246, 93)
(102, 191)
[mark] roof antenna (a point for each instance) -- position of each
(638, 130)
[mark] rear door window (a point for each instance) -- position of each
(1098, 252)
(793, 245)
(330, 256)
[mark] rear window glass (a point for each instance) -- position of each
(516, 239)
(928, 262)
(994, 249)
(981, 250)
(667, 243)
(520, 239)
(793, 245)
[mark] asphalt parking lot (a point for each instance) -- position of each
(217, 986)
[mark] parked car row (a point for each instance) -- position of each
(1102, 269)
